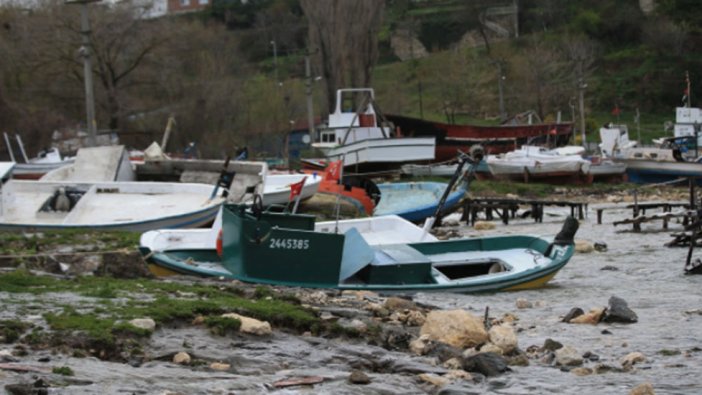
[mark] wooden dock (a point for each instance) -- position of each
(506, 209)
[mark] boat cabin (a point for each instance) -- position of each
(354, 119)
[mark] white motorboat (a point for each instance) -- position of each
(537, 163)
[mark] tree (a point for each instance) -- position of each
(344, 36)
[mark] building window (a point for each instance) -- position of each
(203, 2)
(184, 3)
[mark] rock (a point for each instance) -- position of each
(395, 337)
(395, 303)
(415, 318)
(630, 359)
(377, 309)
(318, 298)
(643, 389)
(518, 360)
(250, 325)
(551, 345)
(483, 225)
(458, 374)
(358, 377)
(574, 312)
(181, 358)
(420, 345)
(354, 324)
(143, 323)
(503, 336)
(582, 371)
(610, 268)
(523, 304)
(568, 356)
(592, 317)
(359, 295)
(619, 311)
(442, 351)
(458, 328)
(489, 347)
(453, 364)
(486, 363)
(220, 366)
(434, 379)
(199, 320)
(600, 246)
(584, 246)
(602, 368)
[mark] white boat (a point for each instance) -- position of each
(435, 169)
(537, 163)
(129, 206)
(34, 168)
(276, 189)
(355, 135)
(200, 244)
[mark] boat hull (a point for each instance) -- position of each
(416, 201)
(123, 206)
(282, 249)
(382, 154)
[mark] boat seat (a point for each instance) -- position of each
(398, 264)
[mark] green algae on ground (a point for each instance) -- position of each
(26, 243)
(11, 330)
(164, 302)
(62, 370)
(222, 325)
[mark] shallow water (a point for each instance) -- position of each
(649, 277)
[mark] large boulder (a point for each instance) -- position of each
(457, 328)
(503, 336)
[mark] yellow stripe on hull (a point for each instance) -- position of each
(160, 271)
(539, 282)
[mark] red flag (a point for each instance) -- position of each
(333, 171)
(296, 188)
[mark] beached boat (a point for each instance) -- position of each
(494, 139)
(531, 163)
(193, 251)
(285, 249)
(34, 168)
(355, 135)
(430, 170)
(276, 189)
(130, 206)
(416, 201)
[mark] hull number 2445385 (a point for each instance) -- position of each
(289, 244)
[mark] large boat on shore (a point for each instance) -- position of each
(494, 139)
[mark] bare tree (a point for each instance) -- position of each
(345, 33)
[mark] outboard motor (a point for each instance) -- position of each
(566, 236)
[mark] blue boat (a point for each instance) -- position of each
(416, 201)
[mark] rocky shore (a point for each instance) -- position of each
(82, 316)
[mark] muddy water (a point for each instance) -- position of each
(648, 276)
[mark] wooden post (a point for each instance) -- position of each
(636, 204)
(599, 216)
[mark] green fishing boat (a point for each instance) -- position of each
(285, 249)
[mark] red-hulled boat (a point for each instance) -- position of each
(494, 139)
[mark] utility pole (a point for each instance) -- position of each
(85, 51)
(308, 91)
(500, 87)
(581, 98)
(275, 62)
